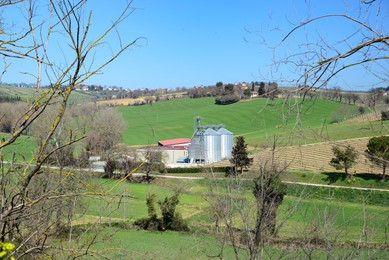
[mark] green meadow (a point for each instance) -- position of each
(29, 93)
(347, 222)
(256, 119)
(303, 210)
(21, 150)
(348, 217)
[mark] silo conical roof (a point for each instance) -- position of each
(224, 131)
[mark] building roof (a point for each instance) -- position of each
(176, 141)
(224, 131)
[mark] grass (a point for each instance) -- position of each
(117, 243)
(348, 217)
(24, 93)
(22, 148)
(255, 119)
(304, 217)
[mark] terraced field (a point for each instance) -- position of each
(317, 156)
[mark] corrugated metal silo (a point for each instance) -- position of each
(212, 145)
(226, 142)
(196, 149)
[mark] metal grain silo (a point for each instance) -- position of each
(196, 149)
(212, 145)
(226, 142)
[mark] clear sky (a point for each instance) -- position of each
(190, 43)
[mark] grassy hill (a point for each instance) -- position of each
(256, 119)
(24, 93)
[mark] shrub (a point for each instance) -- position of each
(361, 110)
(185, 170)
(227, 99)
(230, 171)
(194, 169)
(170, 220)
(109, 168)
(384, 115)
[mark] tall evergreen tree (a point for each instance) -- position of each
(261, 89)
(240, 159)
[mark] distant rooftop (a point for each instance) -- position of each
(174, 142)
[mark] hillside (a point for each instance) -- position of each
(314, 157)
(258, 120)
(24, 93)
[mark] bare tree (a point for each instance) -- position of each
(23, 198)
(108, 126)
(248, 224)
(364, 44)
(9, 113)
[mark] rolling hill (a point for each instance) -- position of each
(259, 120)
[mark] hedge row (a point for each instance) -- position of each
(194, 169)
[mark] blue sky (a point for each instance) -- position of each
(190, 43)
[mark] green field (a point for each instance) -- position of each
(194, 207)
(21, 150)
(346, 222)
(304, 209)
(29, 93)
(256, 119)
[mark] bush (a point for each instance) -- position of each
(149, 223)
(185, 170)
(361, 110)
(227, 99)
(230, 171)
(170, 220)
(110, 168)
(194, 169)
(384, 115)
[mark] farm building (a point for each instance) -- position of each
(168, 155)
(174, 149)
(210, 143)
(175, 143)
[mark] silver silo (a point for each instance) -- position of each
(196, 149)
(212, 145)
(227, 142)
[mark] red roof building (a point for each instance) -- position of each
(175, 143)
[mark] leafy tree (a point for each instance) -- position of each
(229, 89)
(344, 158)
(261, 89)
(219, 84)
(378, 152)
(240, 159)
(247, 92)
